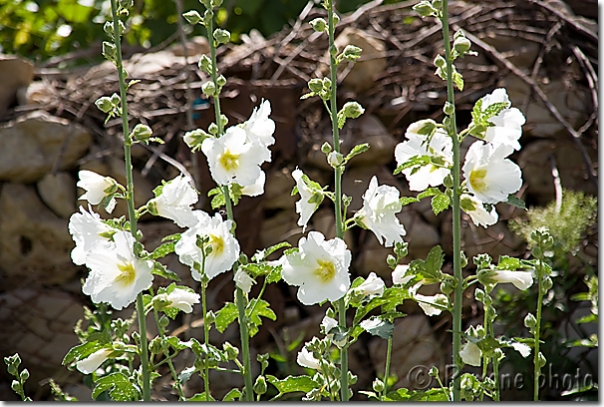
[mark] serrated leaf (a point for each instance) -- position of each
(515, 201)
(494, 109)
(378, 327)
(256, 309)
(177, 344)
(172, 238)
(415, 161)
(406, 200)
(509, 263)
(428, 192)
(119, 386)
(293, 384)
(458, 81)
(417, 395)
(434, 262)
(390, 299)
(235, 193)
(202, 397)
(225, 316)
(161, 270)
(440, 203)
(257, 269)
(274, 276)
(263, 254)
(341, 119)
(162, 251)
(232, 395)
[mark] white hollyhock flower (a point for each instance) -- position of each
(117, 276)
(319, 268)
(477, 212)
(328, 324)
(400, 276)
(233, 159)
(374, 285)
(225, 248)
(378, 214)
(426, 302)
(521, 279)
(306, 359)
(508, 123)
(93, 361)
(244, 281)
(260, 128)
(175, 200)
(182, 299)
(471, 354)
(490, 176)
(304, 207)
(86, 229)
(257, 188)
(95, 186)
(440, 148)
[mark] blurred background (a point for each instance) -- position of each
(51, 73)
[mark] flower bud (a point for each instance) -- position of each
(205, 64)
(221, 80)
(462, 45)
(104, 104)
(207, 17)
(224, 120)
(318, 24)
(231, 351)
(530, 322)
(260, 385)
(194, 138)
(424, 9)
(213, 129)
(192, 17)
(326, 148)
(141, 132)
(352, 110)
(542, 360)
(327, 84)
(433, 372)
(155, 346)
(335, 159)
(210, 317)
(351, 53)
(378, 386)
(336, 19)
(439, 61)
(109, 50)
(16, 386)
(547, 284)
(208, 88)
(216, 3)
(222, 36)
(315, 85)
(448, 109)
(108, 28)
(163, 321)
(24, 375)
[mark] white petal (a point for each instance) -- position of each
(93, 361)
(470, 354)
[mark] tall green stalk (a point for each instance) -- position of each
(130, 200)
(206, 333)
(387, 371)
(337, 184)
(240, 298)
(452, 131)
(536, 364)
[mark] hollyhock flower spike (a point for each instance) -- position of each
(117, 276)
(490, 176)
(378, 214)
(319, 268)
(507, 125)
(173, 201)
(259, 128)
(225, 248)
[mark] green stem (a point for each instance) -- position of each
(387, 371)
(162, 332)
(337, 185)
(206, 334)
(452, 130)
(144, 354)
(484, 358)
(537, 368)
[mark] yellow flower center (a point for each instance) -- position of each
(477, 180)
(326, 271)
(229, 161)
(127, 275)
(217, 243)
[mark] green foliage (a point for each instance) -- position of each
(119, 386)
(577, 213)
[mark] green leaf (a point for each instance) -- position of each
(341, 119)
(415, 161)
(509, 263)
(232, 395)
(219, 200)
(225, 316)
(82, 351)
(161, 270)
(356, 150)
(378, 327)
(162, 251)
(428, 192)
(515, 201)
(293, 383)
(274, 276)
(494, 109)
(261, 255)
(202, 397)
(177, 344)
(440, 203)
(186, 374)
(417, 395)
(259, 308)
(458, 81)
(392, 297)
(434, 262)
(406, 200)
(119, 386)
